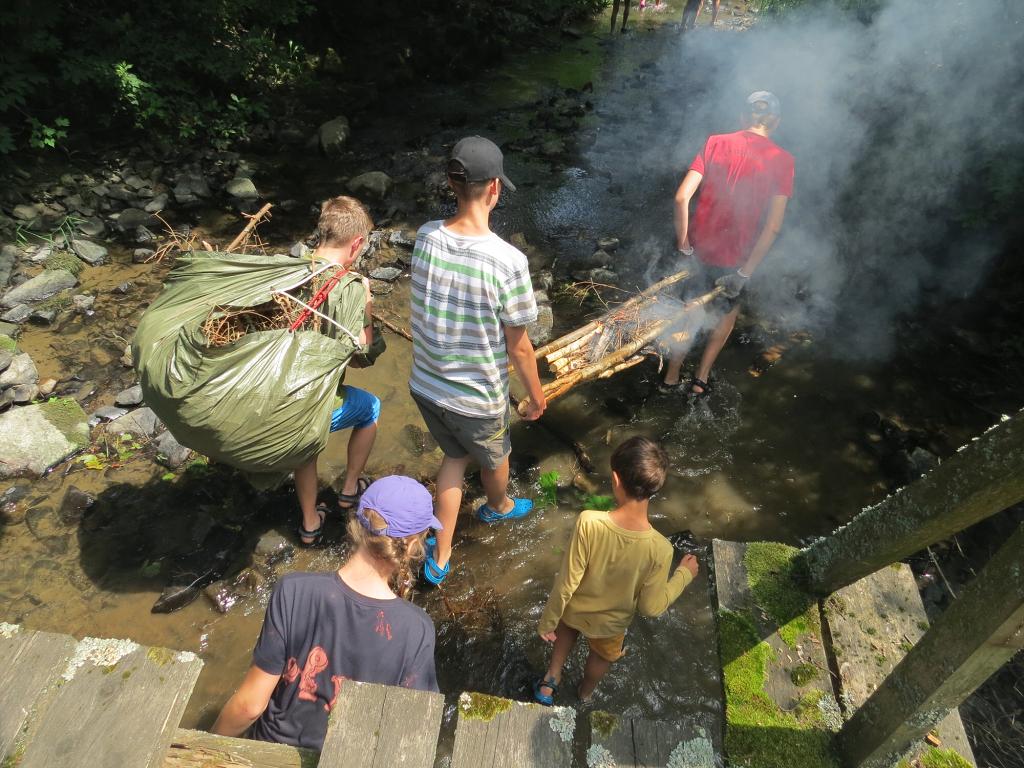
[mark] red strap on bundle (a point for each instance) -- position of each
(318, 298)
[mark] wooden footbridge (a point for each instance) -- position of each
(827, 658)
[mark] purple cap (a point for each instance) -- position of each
(404, 504)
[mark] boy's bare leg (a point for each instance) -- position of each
(565, 639)
(672, 369)
(495, 483)
(625, 15)
(714, 11)
(615, 12)
(715, 343)
(360, 443)
(449, 498)
(305, 489)
(595, 669)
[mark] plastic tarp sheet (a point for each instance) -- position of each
(262, 403)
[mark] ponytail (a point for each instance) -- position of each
(402, 554)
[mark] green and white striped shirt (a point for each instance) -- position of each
(464, 290)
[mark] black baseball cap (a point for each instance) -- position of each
(480, 160)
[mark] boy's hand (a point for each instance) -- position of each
(547, 636)
(689, 562)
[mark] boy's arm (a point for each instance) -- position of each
(248, 703)
(684, 194)
(520, 350)
(573, 566)
(366, 335)
(658, 593)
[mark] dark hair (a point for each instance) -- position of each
(463, 189)
(641, 465)
(759, 115)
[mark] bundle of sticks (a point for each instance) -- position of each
(618, 339)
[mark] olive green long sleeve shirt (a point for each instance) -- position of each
(608, 575)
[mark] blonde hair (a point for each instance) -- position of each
(342, 218)
(402, 554)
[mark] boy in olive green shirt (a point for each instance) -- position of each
(616, 565)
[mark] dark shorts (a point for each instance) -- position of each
(486, 440)
(704, 281)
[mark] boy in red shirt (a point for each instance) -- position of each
(745, 180)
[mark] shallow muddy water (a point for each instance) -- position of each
(782, 456)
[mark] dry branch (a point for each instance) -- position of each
(254, 219)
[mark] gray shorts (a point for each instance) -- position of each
(486, 440)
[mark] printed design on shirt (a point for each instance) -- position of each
(383, 628)
(336, 681)
(291, 671)
(316, 663)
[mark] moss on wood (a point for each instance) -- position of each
(802, 674)
(604, 723)
(758, 733)
(480, 706)
(938, 758)
(774, 573)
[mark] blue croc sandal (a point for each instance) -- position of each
(520, 508)
(432, 572)
(543, 698)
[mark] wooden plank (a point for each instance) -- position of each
(379, 726)
(198, 749)
(984, 477)
(973, 638)
(30, 663)
(636, 743)
(119, 704)
(873, 623)
(499, 733)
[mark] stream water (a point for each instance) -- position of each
(782, 456)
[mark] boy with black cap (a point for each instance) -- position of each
(746, 180)
(471, 302)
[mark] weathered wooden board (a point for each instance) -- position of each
(119, 704)
(733, 591)
(635, 743)
(873, 623)
(498, 733)
(198, 749)
(380, 726)
(30, 663)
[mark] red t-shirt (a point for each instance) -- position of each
(742, 171)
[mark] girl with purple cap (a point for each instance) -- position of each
(324, 628)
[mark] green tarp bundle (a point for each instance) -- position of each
(262, 403)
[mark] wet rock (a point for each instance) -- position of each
(126, 357)
(386, 273)
(144, 235)
(46, 387)
(18, 314)
(25, 212)
(6, 357)
(40, 522)
(124, 288)
(74, 506)
(92, 226)
(89, 252)
(381, 287)
(552, 148)
(273, 547)
(333, 135)
(23, 393)
(21, 370)
(518, 239)
(6, 398)
(106, 413)
(83, 302)
(171, 453)
(157, 204)
(544, 280)
(43, 316)
(131, 219)
(608, 243)
(539, 330)
(129, 397)
(36, 437)
(922, 461)
(135, 182)
(603, 276)
(42, 286)
(141, 422)
(120, 192)
(375, 184)
(242, 188)
(8, 258)
(417, 440)
(86, 390)
(142, 255)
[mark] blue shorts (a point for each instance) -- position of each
(360, 409)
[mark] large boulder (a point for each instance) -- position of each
(20, 370)
(242, 188)
(131, 219)
(40, 287)
(539, 330)
(333, 135)
(37, 437)
(375, 184)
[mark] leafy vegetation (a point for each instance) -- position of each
(548, 482)
(599, 502)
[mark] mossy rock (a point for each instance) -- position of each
(64, 260)
(7, 343)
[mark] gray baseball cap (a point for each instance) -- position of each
(480, 160)
(769, 98)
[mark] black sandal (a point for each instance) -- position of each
(317, 533)
(347, 501)
(705, 387)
